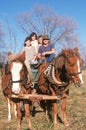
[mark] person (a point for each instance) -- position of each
(30, 55)
(40, 38)
(34, 41)
(30, 51)
(46, 51)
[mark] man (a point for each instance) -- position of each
(46, 51)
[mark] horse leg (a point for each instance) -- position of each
(9, 109)
(27, 113)
(46, 110)
(55, 112)
(18, 115)
(13, 108)
(15, 111)
(63, 108)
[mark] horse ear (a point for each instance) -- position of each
(65, 52)
(9, 53)
(75, 49)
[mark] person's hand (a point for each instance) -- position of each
(44, 53)
(38, 56)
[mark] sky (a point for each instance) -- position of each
(73, 8)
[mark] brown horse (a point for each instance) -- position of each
(5, 85)
(14, 80)
(56, 76)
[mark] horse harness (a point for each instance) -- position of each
(66, 62)
(47, 74)
(48, 78)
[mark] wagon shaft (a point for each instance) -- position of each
(36, 96)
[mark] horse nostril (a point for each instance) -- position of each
(79, 83)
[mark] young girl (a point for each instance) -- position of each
(34, 41)
(40, 40)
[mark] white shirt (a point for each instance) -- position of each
(29, 53)
(35, 44)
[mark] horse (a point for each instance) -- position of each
(5, 86)
(15, 81)
(55, 78)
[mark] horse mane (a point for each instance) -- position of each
(71, 52)
(59, 60)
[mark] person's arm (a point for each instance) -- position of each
(39, 56)
(48, 52)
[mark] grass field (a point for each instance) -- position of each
(76, 113)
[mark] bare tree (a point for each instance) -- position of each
(43, 20)
(12, 37)
(2, 33)
(2, 43)
(8, 39)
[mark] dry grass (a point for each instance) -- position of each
(76, 113)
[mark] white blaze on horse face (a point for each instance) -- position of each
(80, 75)
(16, 68)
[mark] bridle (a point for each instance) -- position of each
(18, 81)
(73, 74)
(24, 79)
(66, 62)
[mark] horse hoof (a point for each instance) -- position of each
(55, 126)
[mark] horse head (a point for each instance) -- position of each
(18, 72)
(73, 63)
(66, 68)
